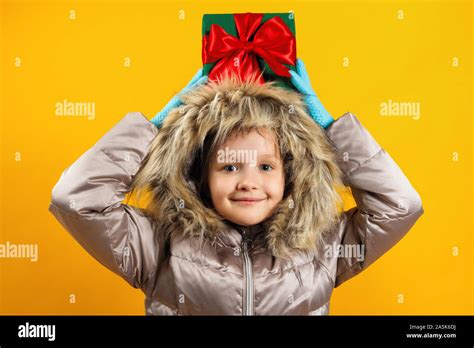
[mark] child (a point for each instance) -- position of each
(244, 216)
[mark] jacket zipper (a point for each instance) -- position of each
(248, 275)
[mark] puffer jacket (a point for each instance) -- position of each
(236, 275)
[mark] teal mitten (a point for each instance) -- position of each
(176, 101)
(300, 80)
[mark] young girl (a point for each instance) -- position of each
(244, 216)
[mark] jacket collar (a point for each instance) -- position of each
(235, 233)
(252, 230)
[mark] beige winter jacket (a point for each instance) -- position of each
(237, 275)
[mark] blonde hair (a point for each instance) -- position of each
(210, 113)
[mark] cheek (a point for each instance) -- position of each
(276, 186)
(218, 186)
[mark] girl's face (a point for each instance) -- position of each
(246, 178)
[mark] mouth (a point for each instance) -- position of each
(247, 201)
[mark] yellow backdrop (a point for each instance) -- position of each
(404, 68)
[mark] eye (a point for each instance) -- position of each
(266, 167)
(230, 168)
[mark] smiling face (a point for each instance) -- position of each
(246, 178)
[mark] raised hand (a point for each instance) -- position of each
(176, 101)
(300, 80)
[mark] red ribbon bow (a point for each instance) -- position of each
(273, 41)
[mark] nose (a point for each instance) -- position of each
(247, 180)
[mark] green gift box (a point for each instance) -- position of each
(250, 42)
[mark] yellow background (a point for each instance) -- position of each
(82, 59)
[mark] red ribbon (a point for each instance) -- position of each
(273, 41)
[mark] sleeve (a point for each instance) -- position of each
(87, 202)
(387, 204)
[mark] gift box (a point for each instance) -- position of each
(246, 43)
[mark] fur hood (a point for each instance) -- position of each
(171, 172)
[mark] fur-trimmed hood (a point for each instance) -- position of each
(311, 203)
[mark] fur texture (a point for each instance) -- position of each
(171, 171)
